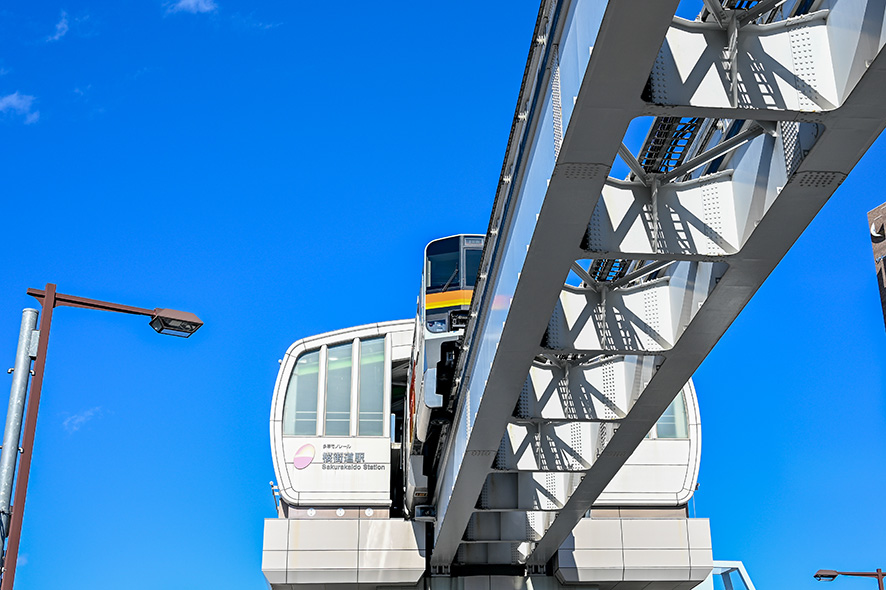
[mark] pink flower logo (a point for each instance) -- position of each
(304, 456)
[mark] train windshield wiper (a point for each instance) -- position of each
(451, 278)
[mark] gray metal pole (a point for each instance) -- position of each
(12, 433)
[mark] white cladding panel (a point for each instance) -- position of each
(343, 551)
(605, 551)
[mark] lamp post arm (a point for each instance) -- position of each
(862, 574)
(74, 301)
(879, 575)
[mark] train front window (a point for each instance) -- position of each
(472, 267)
(443, 268)
(444, 272)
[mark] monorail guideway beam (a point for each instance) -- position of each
(624, 51)
(772, 131)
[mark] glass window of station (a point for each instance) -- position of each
(674, 423)
(339, 390)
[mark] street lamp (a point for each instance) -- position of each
(33, 344)
(831, 575)
(175, 323)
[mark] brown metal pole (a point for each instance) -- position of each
(21, 481)
(880, 578)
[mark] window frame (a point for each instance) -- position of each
(354, 403)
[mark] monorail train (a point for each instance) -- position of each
(448, 277)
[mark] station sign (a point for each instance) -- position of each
(338, 471)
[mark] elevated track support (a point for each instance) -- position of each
(598, 297)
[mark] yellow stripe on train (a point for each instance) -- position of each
(448, 299)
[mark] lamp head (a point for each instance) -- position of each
(826, 575)
(175, 323)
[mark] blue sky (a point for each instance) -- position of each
(277, 168)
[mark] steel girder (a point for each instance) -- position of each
(781, 110)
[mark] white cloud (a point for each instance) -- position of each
(61, 28)
(20, 104)
(194, 6)
(250, 22)
(76, 422)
